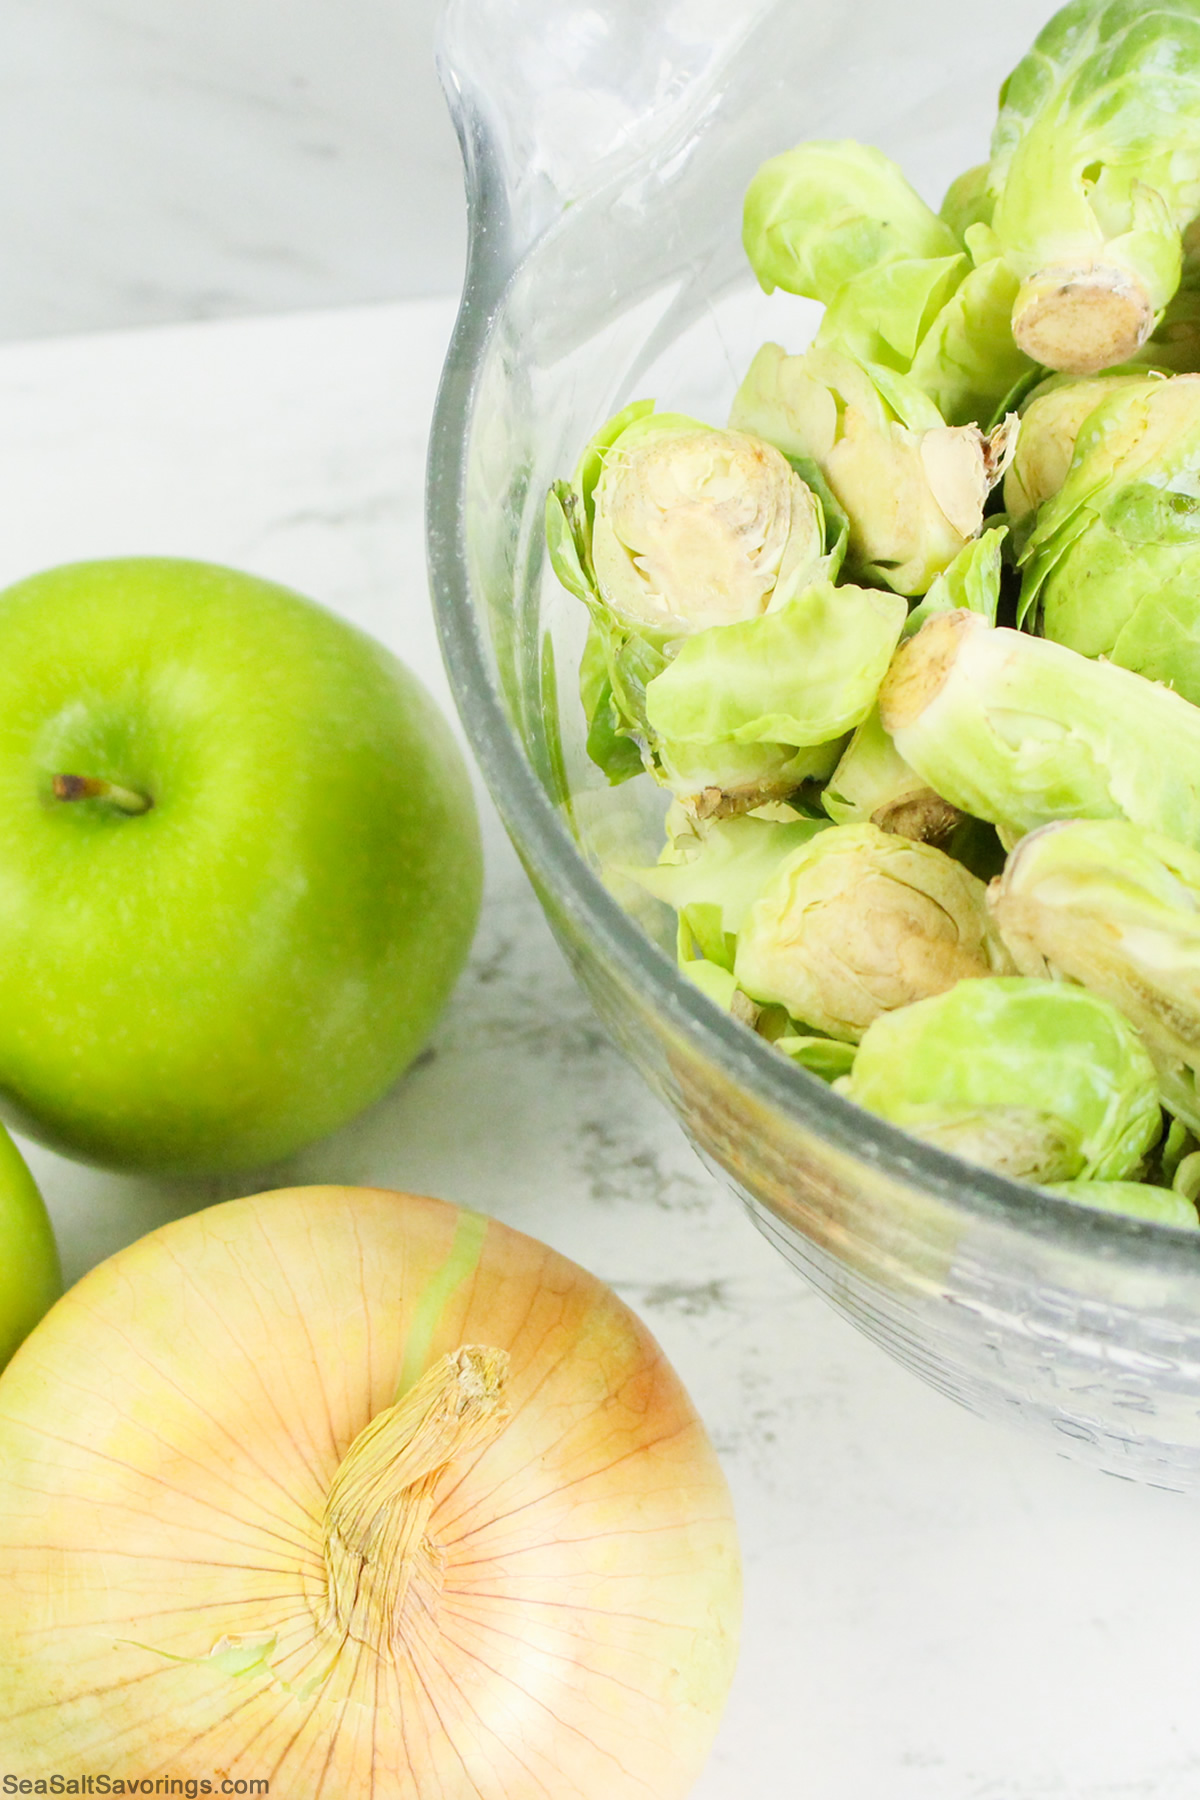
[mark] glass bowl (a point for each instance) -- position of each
(607, 146)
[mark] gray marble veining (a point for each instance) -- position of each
(178, 162)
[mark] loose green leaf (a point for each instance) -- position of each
(802, 676)
(1136, 1199)
(971, 583)
(821, 1056)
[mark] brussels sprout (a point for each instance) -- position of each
(913, 488)
(1051, 420)
(672, 532)
(859, 921)
(873, 784)
(1137, 1199)
(688, 526)
(1117, 909)
(827, 212)
(1096, 171)
(1020, 732)
(839, 223)
(1035, 1079)
(1113, 562)
(830, 924)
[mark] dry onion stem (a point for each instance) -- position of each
(364, 1496)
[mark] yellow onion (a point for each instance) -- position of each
(360, 1494)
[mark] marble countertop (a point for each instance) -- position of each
(935, 1609)
(209, 161)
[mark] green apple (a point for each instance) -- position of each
(30, 1279)
(239, 865)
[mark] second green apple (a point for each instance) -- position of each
(30, 1277)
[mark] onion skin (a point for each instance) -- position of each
(169, 1437)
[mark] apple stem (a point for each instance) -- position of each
(94, 787)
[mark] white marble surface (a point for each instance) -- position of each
(935, 1610)
(196, 160)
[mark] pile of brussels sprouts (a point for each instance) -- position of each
(914, 642)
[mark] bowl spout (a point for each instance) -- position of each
(554, 100)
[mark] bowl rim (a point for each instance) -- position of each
(549, 852)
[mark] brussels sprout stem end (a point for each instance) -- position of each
(1082, 318)
(919, 668)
